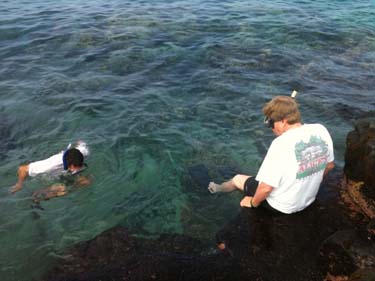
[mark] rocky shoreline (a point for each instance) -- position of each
(331, 240)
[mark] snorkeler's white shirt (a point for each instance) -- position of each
(54, 164)
(294, 167)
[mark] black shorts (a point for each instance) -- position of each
(250, 187)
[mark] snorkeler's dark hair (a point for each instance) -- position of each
(74, 157)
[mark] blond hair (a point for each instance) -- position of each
(282, 107)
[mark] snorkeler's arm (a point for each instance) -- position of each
(262, 192)
(23, 172)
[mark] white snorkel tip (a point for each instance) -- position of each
(294, 94)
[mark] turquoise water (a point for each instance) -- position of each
(157, 87)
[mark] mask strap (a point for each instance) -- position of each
(65, 162)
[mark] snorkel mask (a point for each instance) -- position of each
(84, 167)
(269, 123)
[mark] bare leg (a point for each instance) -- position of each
(23, 172)
(237, 182)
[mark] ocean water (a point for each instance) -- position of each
(159, 89)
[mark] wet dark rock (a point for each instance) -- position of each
(369, 191)
(280, 247)
(371, 228)
(346, 251)
(260, 246)
(360, 168)
(363, 275)
(360, 152)
(117, 255)
(357, 194)
(200, 176)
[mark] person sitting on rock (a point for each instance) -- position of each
(67, 163)
(296, 162)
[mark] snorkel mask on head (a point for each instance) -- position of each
(269, 123)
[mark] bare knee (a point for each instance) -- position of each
(239, 181)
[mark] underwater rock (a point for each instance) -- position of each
(371, 228)
(260, 246)
(200, 176)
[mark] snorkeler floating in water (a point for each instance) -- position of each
(66, 163)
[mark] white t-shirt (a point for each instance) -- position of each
(294, 167)
(54, 164)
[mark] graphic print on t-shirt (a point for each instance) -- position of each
(311, 156)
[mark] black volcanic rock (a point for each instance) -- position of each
(360, 153)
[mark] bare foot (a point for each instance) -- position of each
(212, 187)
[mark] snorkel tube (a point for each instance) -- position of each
(293, 94)
(269, 122)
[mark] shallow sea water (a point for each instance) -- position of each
(156, 88)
